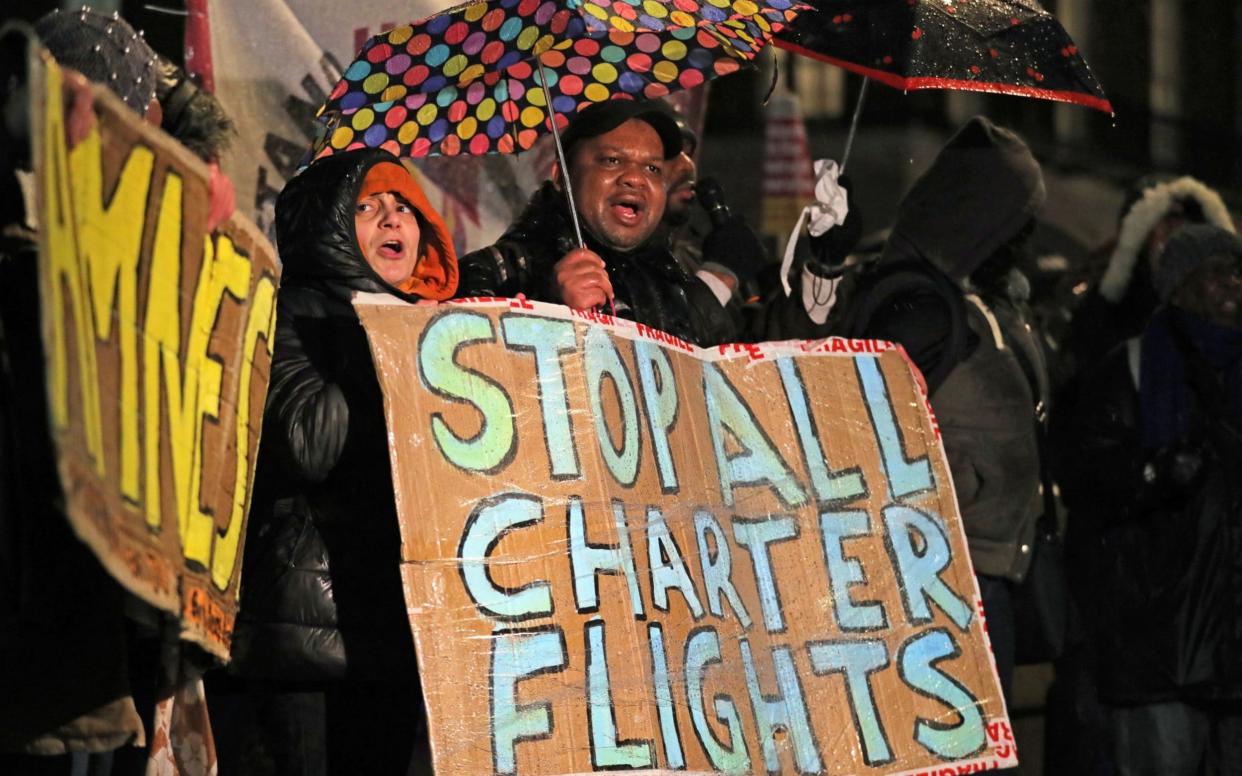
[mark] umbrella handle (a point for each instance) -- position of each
(560, 152)
(849, 140)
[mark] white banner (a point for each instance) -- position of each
(275, 62)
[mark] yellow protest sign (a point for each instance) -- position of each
(157, 338)
(621, 551)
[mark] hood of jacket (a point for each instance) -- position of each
(317, 240)
(981, 190)
(1154, 202)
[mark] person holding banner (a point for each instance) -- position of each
(81, 655)
(322, 638)
(619, 153)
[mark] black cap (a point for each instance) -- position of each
(603, 117)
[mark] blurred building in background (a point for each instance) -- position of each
(1172, 69)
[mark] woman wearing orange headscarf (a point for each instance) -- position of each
(322, 637)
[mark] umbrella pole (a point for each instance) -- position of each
(849, 140)
(560, 151)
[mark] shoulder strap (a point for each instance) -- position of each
(1040, 415)
(890, 283)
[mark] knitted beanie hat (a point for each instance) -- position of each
(1186, 249)
(106, 50)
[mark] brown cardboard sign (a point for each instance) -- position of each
(157, 338)
(624, 552)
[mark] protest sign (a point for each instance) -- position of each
(621, 551)
(157, 337)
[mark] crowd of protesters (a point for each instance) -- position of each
(1130, 427)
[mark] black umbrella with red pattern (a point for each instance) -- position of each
(999, 46)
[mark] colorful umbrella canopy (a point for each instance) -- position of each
(1003, 46)
(466, 80)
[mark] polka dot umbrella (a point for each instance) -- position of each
(485, 77)
(467, 80)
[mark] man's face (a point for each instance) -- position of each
(388, 232)
(1213, 291)
(680, 174)
(618, 180)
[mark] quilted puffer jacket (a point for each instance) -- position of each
(321, 590)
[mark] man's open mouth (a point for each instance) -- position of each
(628, 210)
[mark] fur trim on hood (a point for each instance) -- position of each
(1142, 218)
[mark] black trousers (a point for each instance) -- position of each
(270, 729)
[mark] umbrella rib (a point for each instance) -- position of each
(959, 21)
(513, 130)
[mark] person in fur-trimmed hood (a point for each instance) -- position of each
(1120, 303)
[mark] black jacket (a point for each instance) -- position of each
(1155, 542)
(321, 589)
(986, 376)
(650, 286)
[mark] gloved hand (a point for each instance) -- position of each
(735, 246)
(831, 248)
(1173, 471)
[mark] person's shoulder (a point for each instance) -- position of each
(902, 291)
(299, 300)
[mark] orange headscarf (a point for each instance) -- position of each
(435, 271)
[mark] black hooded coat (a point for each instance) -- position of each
(321, 591)
(973, 346)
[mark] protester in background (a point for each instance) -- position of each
(81, 657)
(322, 635)
(726, 249)
(1119, 301)
(1151, 462)
(947, 290)
(685, 239)
(618, 152)
(107, 50)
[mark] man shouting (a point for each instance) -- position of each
(617, 153)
